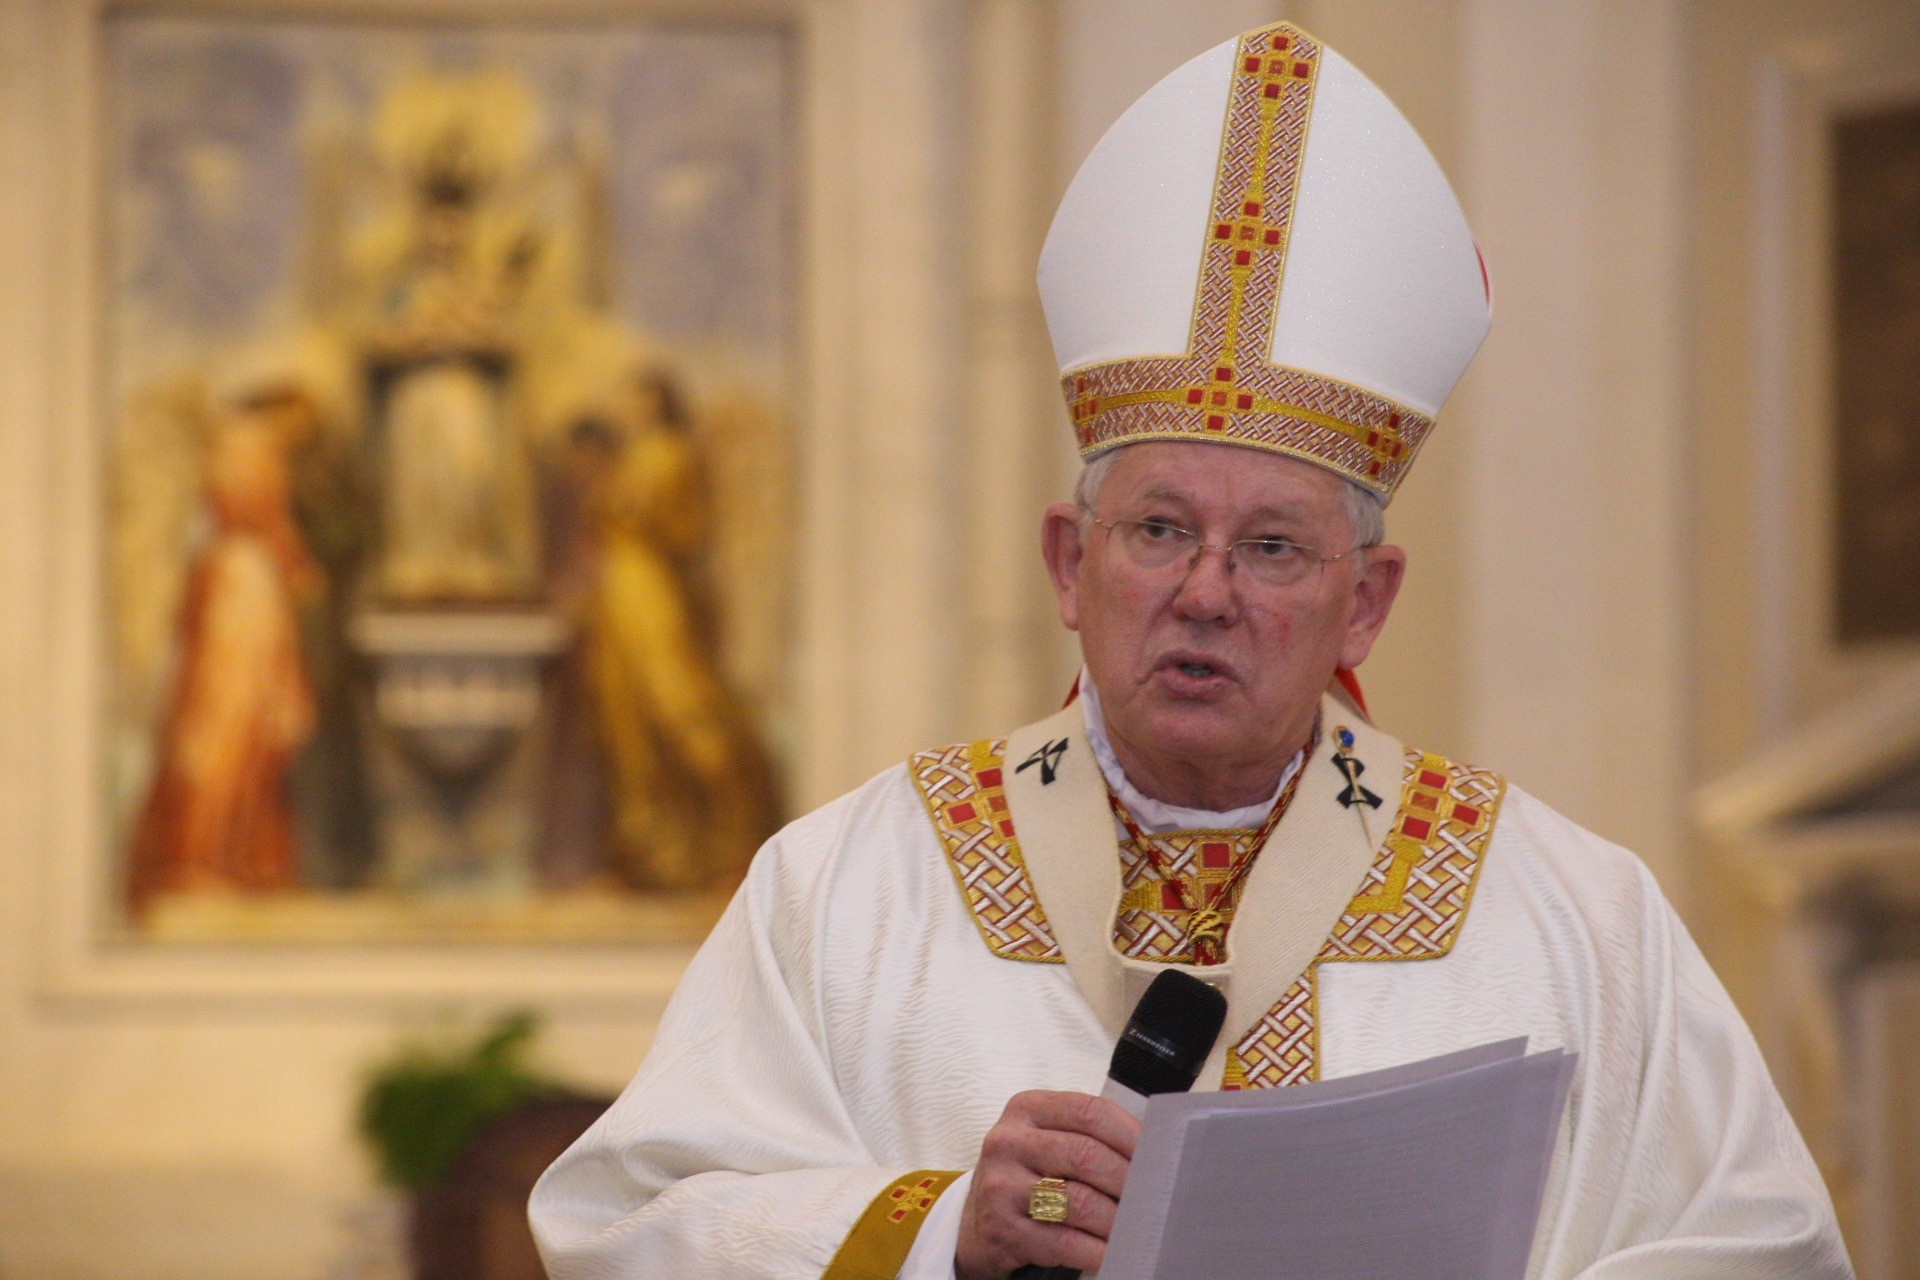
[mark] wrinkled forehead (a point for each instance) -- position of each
(1220, 479)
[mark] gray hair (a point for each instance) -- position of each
(1366, 510)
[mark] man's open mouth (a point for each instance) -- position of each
(1195, 666)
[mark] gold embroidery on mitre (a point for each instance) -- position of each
(964, 789)
(878, 1245)
(1223, 388)
(1410, 907)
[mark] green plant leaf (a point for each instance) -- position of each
(420, 1109)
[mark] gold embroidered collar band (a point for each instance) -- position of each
(1262, 252)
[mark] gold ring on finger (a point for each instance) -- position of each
(1047, 1202)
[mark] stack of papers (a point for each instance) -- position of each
(1430, 1171)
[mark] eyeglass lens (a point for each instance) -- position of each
(1154, 544)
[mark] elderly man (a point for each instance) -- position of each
(894, 1033)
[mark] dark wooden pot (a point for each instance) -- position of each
(473, 1226)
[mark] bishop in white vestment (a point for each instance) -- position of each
(1260, 290)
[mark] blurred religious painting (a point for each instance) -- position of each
(448, 370)
(1876, 375)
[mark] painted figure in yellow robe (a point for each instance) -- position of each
(691, 789)
(218, 815)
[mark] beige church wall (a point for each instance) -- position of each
(1570, 618)
(1576, 414)
(1772, 75)
(1770, 78)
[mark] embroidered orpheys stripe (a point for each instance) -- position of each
(878, 1245)
(1410, 907)
(964, 789)
(1417, 893)
(1223, 387)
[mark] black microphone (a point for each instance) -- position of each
(1165, 1044)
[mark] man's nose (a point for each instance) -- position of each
(1207, 593)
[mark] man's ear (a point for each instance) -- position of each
(1373, 596)
(1062, 547)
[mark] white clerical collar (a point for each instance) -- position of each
(1157, 815)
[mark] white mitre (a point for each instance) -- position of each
(1262, 252)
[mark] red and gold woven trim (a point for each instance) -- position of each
(965, 793)
(1411, 907)
(1223, 388)
(1365, 437)
(1283, 1047)
(1417, 892)
(1152, 921)
(1163, 875)
(880, 1241)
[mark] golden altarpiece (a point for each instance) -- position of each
(448, 509)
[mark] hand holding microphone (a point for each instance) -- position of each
(1081, 1141)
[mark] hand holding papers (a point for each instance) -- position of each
(1429, 1171)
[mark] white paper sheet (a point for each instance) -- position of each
(1429, 1171)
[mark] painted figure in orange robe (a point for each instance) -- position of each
(218, 816)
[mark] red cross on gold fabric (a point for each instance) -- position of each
(917, 1198)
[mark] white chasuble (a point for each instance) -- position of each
(902, 961)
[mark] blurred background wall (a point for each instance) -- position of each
(1622, 537)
